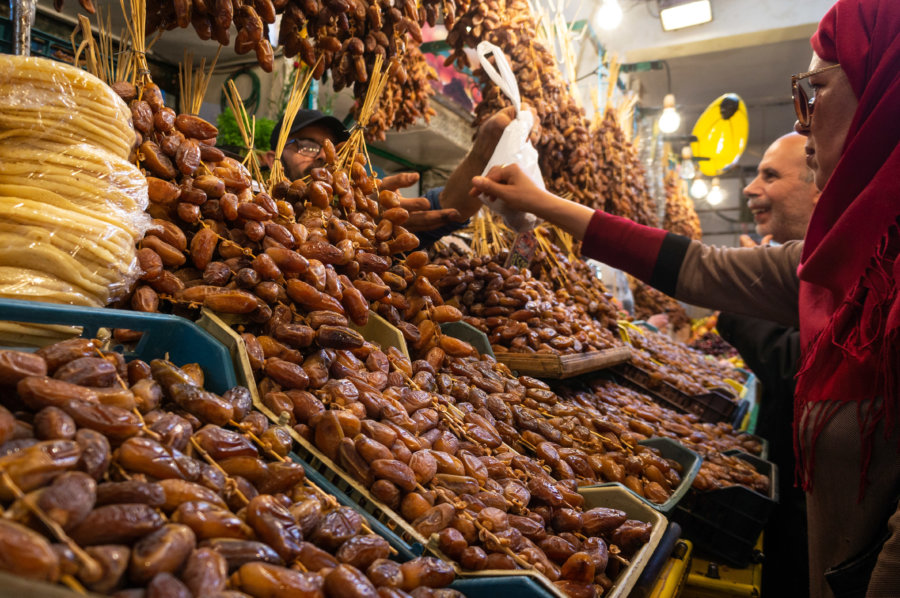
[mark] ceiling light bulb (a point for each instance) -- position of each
(669, 120)
(699, 188)
(609, 15)
(715, 195)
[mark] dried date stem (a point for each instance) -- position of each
(228, 479)
(89, 563)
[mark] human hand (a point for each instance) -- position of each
(489, 134)
(746, 241)
(512, 185)
(660, 321)
(423, 218)
(399, 181)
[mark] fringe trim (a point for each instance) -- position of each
(856, 340)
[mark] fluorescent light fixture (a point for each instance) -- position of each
(678, 14)
(699, 188)
(669, 120)
(715, 195)
(609, 15)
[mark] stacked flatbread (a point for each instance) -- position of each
(71, 204)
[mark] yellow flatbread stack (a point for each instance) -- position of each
(71, 204)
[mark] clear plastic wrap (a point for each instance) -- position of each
(71, 204)
(514, 146)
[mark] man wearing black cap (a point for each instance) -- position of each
(440, 212)
(303, 150)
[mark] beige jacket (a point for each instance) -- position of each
(763, 282)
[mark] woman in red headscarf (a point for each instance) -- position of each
(842, 285)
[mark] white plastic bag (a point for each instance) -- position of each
(514, 146)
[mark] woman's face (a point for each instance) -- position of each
(833, 110)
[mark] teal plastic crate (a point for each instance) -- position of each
(499, 587)
(470, 334)
(164, 335)
(669, 449)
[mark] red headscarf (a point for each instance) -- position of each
(849, 283)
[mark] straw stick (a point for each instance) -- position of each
(136, 21)
(192, 85)
(246, 126)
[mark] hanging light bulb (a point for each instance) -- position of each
(687, 170)
(699, 188)
(669, 120)
(609, 15)
(715, 195)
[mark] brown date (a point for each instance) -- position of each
(116, 524)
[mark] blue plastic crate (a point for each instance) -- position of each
(176, 337)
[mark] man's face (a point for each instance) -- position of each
(303, 151)
(783, 194)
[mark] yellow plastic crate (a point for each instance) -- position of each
(673, 575)
(702, 583)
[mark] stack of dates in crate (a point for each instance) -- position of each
(133, 480)
(619, 410)
(522, 314)
(422, 438)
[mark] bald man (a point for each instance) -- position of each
(781, 198)
(783, 194)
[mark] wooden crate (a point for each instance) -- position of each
(548, 365)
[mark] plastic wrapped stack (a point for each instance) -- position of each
(72, 204)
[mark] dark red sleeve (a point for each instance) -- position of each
(623, 244)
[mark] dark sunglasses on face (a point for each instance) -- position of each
(803, 100)
(307, 147)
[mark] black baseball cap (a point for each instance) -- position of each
(306, 118)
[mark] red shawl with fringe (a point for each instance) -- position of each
(849, 272)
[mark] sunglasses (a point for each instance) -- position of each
(803, 99)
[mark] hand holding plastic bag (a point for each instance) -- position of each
(514, 146)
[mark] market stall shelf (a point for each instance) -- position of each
(674, 450)
(727, 522)
(548, 365)
(714, 406)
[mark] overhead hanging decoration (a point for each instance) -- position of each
(721, 133)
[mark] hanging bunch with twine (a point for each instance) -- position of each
(357, 141)
(299, 89)
(247, 127)
(136, 22)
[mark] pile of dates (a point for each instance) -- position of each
(622, 173)
(423, 438)
(684, 368)
(562, 134)
(576, 443)
(520, 313)
(626, 413)
(406, 99)
(323, 244)
(681, 216)
(133, 480)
